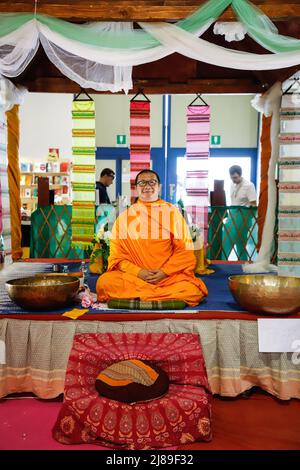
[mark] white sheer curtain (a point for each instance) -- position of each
(107, 56)
(10, 94)
(108, 68)
(18, 48)
(103, 69)
(186, 44)
(89, 73)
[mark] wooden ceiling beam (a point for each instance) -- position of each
(141, 10)
(158, 86)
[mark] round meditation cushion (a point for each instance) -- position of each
(132, 381)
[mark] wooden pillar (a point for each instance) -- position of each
(265, 159)
(13, 171)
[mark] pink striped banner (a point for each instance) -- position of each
(197, 154)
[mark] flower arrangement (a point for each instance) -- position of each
(194, 231)
(99, 256)
(197, 236)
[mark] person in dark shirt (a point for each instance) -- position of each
(106, 179)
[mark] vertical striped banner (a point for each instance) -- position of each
(289, 187)
(5, 229)
(197, 154)
(83, 172)
(139, 140)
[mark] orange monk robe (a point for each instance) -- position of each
(151, 236)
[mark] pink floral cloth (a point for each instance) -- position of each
(89, 300)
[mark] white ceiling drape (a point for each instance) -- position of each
(110, 68)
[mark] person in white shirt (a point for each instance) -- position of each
(237, 235)
(242, 192)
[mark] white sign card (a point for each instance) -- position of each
(278, 335)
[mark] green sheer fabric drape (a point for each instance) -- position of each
(90, 34)
(258, 25)
(262, 29)
(10, 22)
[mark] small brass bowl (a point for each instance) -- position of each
(266, 294)
(43, 292)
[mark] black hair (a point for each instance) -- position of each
(146, 171)
(107, 172)
(235, 169)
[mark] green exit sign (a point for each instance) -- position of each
(121, 139)
(215, 141)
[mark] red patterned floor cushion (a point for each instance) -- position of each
(182, 415)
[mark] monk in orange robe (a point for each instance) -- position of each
(151, 251)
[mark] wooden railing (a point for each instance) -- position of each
(232, 233)
(51, 233)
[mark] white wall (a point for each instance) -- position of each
(232, 117)
(45, 122)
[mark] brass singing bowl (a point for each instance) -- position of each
(266, 294)
(43, 292)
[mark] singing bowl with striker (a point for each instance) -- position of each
(266, 294)
(43, 292)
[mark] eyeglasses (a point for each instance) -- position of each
(143, 183)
